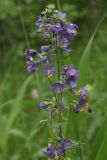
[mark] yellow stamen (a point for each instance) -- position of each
(50, 76)
(82, 109)
(74, 31)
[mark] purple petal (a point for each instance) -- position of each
(45, 49)
(57, 28)
(57, 87)
(39, 22)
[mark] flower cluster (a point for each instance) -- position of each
(54, 151)
(58, 32)
(56, 29)
(40, 61)
(32, 65)
(83, 103)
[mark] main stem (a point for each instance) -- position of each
(59, 6)
(58, 64)
(58, 61)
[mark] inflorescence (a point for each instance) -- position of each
(58, 32)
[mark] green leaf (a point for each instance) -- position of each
(7, 122)
(6, 103)
(72, 129)
(83, 68)
(85, 59)
(99, 141)
(18, 133)
(102, 153)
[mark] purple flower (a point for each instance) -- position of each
(45, 49)
(39, 22)
(83, 100)
(42, 56)
(57, 87)
(76, 109)
(67, 49)
(70, 31)
(49, 70)
(57, 28)
(72, 26)
(33, 67)
(28, 58)
(53, 151)
(62, 105)
(45, 58)
(84, 92)
(66, 144)
(69, 71)
(62, 16)
(48, 28)
(43, 105)
(29, 53)
(47, 31)
(59, 139)
(62, 41)
(70, 77)
(50, 111)
(71, 84)
(73, 73)
(79, 106)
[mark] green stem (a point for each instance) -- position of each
(60, 112)
(58, 68)
(23, 25)
(58, 63)
(58, 4)
(80, 151)
(53, 91)
(51, 119)
(67, 129)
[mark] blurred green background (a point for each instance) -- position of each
(22, 136)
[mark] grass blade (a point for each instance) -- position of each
(6, 122)
(85, 59)
(102, 153)
(5, 104)
(83, 68)
(99, 140)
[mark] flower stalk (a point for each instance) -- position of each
(59, 6)
(58, 33)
